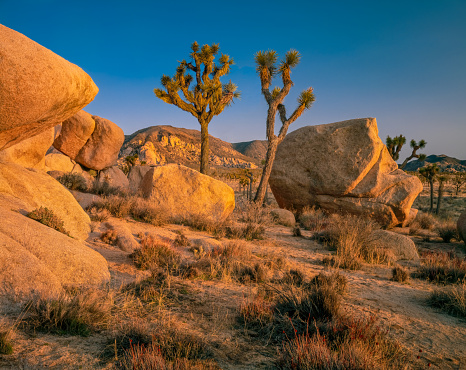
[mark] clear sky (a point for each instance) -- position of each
(403, 62)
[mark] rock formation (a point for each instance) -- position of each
(342, 167)
(186, 193)
(92, 141)
(38, 89)
(114, 177)
(400, 246)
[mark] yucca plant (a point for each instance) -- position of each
(205, 99)
(266, 62)
(415, 146)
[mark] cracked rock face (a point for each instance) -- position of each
(343, 167)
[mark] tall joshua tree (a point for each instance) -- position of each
(205, 99)
(430, 173)
(266, 62)
(415, 146)
(394, 146)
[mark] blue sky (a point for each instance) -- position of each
(402, 62)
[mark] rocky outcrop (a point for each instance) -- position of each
(31, 189)
(92, 141)
(186, 193)
(399, 246)
(135, 176)
(461, 226)
(30, 152)
(342, 167)
(125, 239)
(61, 162)
(38, 259)
(38, 89)
(114, 177)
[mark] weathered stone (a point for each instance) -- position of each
(114, 177)
(39, 259)
(33, 189)
(283, 216)
(85, 199)
(135, 176)
(102, 148)
(401, 246)
(30, 152)
(74, 134)
(342, 167)
(461, 225)
(125, 239)
(38, 88)
(60, 162)
(186, 193)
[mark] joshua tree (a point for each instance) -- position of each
(441, 181)
(458, 181)
(429, 173)
(415, 146)
(208, 97)
(394, 146)
(267, 69)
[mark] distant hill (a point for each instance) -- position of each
(168, 144)
(446, 163)
(255, 149)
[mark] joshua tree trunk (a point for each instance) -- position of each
(431, 182)
(204, 148)
(269, 159)
(405, 162)
(440, 195)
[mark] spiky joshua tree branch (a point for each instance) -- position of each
(266, 66)
(394, 146)
(196, 89)
(415, 146)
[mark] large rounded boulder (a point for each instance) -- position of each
(186, 193)
(38, 88)
(343, 167)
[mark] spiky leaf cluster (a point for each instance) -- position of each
(394, 146)
(196, 87)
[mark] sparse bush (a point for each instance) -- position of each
(400, 274)
(314, 219)
(98, 215)
(414, 228)
(442, 268)
(118, 206)
(426, 221)
(109, 237)
(452, 300)
(297, 231)
(73, 181)
(447, 231)
(155, 253)
(6, 346)
(103, 188)
(257, 311)
(182, 241)
(48, 218)
(77, 315)
(293, 277)
(142, 210)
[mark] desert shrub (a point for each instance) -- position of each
(447, 231)
(181, 240)
(109, 237)
(351, 237)
(118, 206)
(293, 277)
(48, 218)
(253, 213)
(75, 315)
(441, 268)
(142, 210)
(156, 253)
(451, 300)
(98, 215)
(414, 228)
(314, 219)
(426, 221)
(103, 188)
(257, 310)
(203, 223)
(73, 181)
(400, 274)
(248, 231)
(297, 231)
(6, 346)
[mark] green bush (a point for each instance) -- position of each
(73, 181)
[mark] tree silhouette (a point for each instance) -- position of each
(415, 146)
(207, 98)
(267, 69)
(429, 173)
(394, 146)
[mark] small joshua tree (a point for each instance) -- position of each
(459, 180)
(267, 69)
(415, 146)
(430, 173)
(208, 97)
(441, 181)
(394, 146)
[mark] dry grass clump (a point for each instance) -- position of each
(400, 274)
(426, 221)
(253, 213)
(442, 268)
(312, 218)
(109, 237)
(98, 215)
(451, 300)
(73, 181)
(258, 311)
(156, 253)
(6, 345)
(181, 240)
(118, 206)
(74, 315)
(103, 188)
(48, 218)
(142, 210)
(447, 231)
(351, 237)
